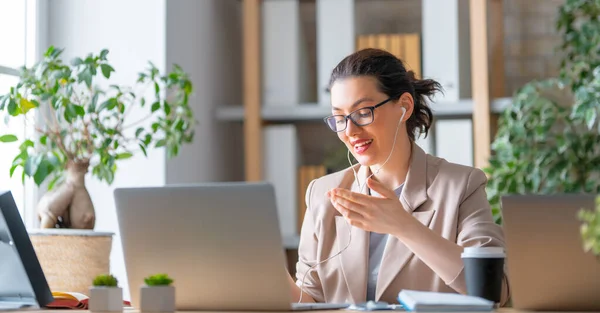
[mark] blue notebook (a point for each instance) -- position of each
(423, 301)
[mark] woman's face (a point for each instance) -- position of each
(370, 144)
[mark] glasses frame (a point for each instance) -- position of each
(348, 117)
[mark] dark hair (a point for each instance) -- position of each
(393, 80)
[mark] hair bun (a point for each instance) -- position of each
(411, 75)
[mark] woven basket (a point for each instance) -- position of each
(72, 258)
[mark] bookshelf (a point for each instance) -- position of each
(485, 63)
(304, 112)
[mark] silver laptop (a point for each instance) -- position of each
(547, 266)
(220, 242)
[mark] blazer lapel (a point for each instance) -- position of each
(414, 193)
(354, 260)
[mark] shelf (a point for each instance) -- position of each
(291, 242)
(316, 112)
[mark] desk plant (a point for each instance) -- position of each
(81, 126)
(105, 294)
(157, 295)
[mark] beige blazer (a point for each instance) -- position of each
(448, 198)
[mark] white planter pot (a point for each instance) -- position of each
(106, 299)
(157, 299)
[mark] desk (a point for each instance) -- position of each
(501, 310)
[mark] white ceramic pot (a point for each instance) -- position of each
(157, 299)
(106, 299)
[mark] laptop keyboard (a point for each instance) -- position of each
(318, 306)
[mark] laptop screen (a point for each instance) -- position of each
(22, 281)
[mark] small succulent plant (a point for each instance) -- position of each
(158, 280)
(106, 280)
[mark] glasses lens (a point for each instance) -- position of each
(362, 117)
(336, 123)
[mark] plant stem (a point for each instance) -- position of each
(138, 121)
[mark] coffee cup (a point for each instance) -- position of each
(484, 271)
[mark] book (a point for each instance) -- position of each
(425, 301)
(72, 300)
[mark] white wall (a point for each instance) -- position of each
(204, 37)
(134, 32)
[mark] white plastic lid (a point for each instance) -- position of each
(483, 252)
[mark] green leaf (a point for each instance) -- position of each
(12, 169)
(108, 104)
(590, 117)
(8, 138)
(4, 101)
(147, 140)
(31, 165)
(76, 62)
(143, 150)
(179, 125)
(85, 76)
(79, 110)
(139, 131)
(123, 156)
(106, 70)
(93, 103)
(103, 53)
(160, 143)
(155, 106)
(26, 144)
(70, 112)
(13, 108)
(155, 127)
(167, 108)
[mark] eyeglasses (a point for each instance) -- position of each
(361, 117)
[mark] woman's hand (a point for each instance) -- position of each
(382, 215)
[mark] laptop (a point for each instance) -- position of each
(220, 242)
(23, 284)
(546, 262)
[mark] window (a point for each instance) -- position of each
(19, 38)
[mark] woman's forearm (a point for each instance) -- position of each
(295, 290)
(441, 255)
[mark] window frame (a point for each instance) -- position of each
(36, 26)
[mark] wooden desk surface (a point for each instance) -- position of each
(501, 310)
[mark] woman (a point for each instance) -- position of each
(411, 213)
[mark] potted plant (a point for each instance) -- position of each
(540, 148)
(547, 140)
(83, 123)
(157, 295)
(105, 294)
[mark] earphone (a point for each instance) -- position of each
(360, 190)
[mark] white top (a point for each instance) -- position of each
(483, 252)
(377, 244)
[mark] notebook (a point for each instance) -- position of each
(423, 301)
(72, 300)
